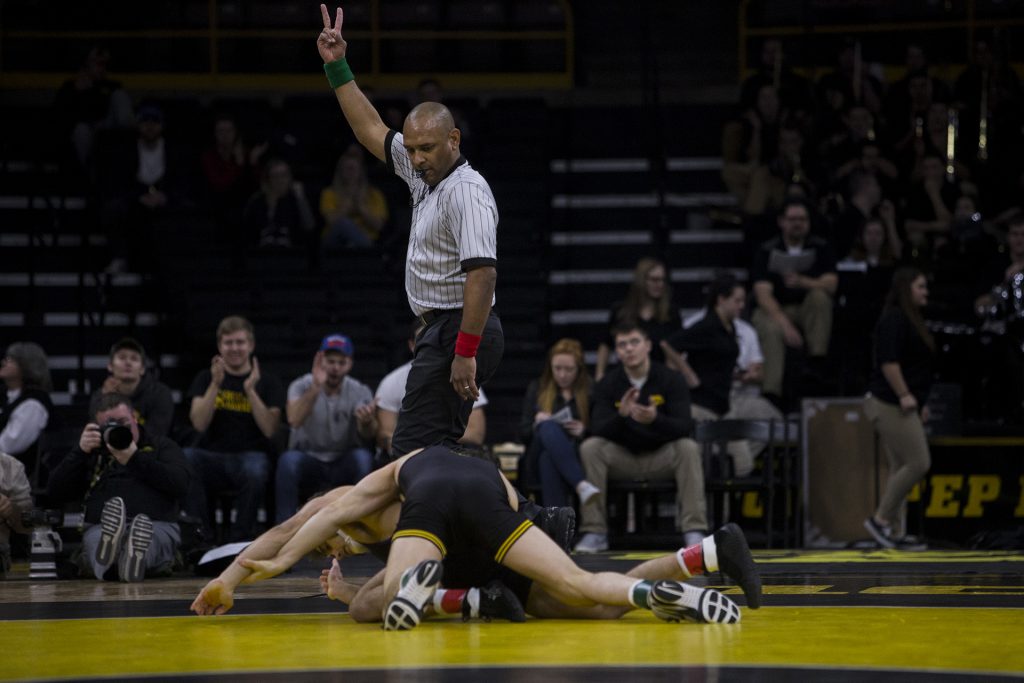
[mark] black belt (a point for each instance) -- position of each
(430, 316)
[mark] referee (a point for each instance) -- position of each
(451, 261)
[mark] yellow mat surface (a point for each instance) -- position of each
(964, 639)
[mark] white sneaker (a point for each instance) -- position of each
(586, 492)
(419, 584)
(692, 538)
(592, 543)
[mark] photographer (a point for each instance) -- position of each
(15, 500)
(132, 483)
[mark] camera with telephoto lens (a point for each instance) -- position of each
(116, 435)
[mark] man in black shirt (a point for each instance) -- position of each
(132, 490)
(640, 423)
(708, 351)
(237, 410)
(794, 278)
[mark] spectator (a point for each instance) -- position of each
(864, 277)
(789, 164)
(141, 180)
(649, 304)
(333, 421)
(90, 102)
(229, 174)
(795, 92)
(431, 90)
(132, 483)
(26, 409)
(706, 354)
(279, 213)
(860, 147)
(794, 279)
(151, 399)
(909, 100)
(930, 204)
(933, 140)
(354, 211)
(853, 78)
(1003, 265)
(15, 499)
(990, 89)
(897, 402)
(915, 91)
(237, 410)
(391, 391)
(745, 399)
(640, 423)
(865, 201)
(960, 260)
(750, 141)
(556, 410)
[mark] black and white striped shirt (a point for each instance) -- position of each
(454, 229)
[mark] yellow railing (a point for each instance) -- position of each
(372, 41)
(968, 26)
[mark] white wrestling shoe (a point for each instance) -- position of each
(405, 611)
(676, 601)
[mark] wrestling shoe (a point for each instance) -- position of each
(559, 524)
(131, 566)
(734, 559)
(497, 601)
(112, 521)
(674, 601)
(418, 585)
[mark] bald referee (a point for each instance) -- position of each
(451, 262)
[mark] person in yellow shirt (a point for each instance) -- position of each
(354, 211)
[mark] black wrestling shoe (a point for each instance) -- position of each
(734, 559)
(418, 586)
(675, 601)
(559, 524)
(497, 601)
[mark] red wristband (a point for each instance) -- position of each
(466, 344)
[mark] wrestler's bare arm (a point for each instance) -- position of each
(371, 494)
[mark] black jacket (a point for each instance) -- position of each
(668, 391)
(154, 405)
(153, 482)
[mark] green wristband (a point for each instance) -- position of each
(338, 73)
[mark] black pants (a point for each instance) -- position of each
(432, 412)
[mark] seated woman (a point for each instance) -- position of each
(354, 211)
(25, 407)
(554, 419)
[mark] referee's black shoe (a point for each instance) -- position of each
(497, 601)
(558, 523)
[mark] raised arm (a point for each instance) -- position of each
(360, 114)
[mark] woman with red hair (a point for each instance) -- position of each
(555, 415)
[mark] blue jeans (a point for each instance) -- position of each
(244, 474)
(299, 475)
(558, 464)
